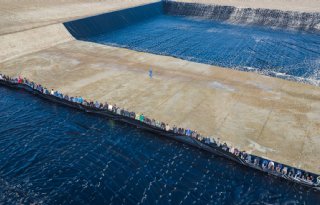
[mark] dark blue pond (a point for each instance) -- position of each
(55, 155)
(286, 54)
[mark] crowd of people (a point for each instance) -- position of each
(258, 162)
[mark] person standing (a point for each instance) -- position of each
(150, 73)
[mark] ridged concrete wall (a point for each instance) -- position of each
(253, 16)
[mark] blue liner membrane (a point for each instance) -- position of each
(282, 53)
(285, 54)
(108, 22)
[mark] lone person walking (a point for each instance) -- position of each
(150, 73)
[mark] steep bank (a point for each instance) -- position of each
(304, 21)
(30, 41)
(30, 26)
(108, 22)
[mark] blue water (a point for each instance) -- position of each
(286, 54)
(51, 154)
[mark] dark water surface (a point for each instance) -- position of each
(55, 155)
(285, 54)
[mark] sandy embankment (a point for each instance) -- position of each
(285, 5)
(30, 41)
(30, 26)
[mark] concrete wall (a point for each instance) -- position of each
(306, 21)
(283, 5)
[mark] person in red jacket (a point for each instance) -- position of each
(20, 80)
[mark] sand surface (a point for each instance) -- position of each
(19, 15)
(21, 43)
(270, 117)
(32, 25)
(285, 5)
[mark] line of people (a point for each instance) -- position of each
(258, 162)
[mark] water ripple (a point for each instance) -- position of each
(291, 55)
(56, 155)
